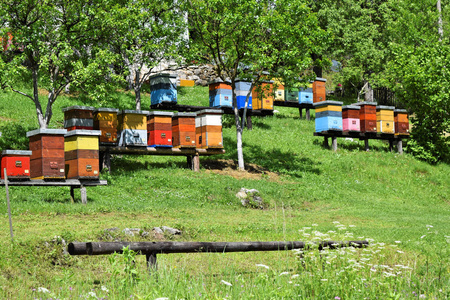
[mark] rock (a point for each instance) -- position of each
(250, 198)
(157, 230)
(131, 231)
(171, 231)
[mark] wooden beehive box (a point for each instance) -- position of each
(132, 128)
(319, 91)
(305, 95)
(159, 129)
(163, 88)
(78, 117)
(279, 90)
(208, 128)
(350, 118)
(220, 94)
(183, 130)
(291, 95)
(263, 96)
(16, 163)
(328, 116)
(385, 119)
(47, 157)
(81, 154)
(105, 120)
(367, 116)
(242, 88)
(401, 122)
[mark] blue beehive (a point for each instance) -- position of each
(306, 95)
(220, 94)
(328, 115)
(242, 89)
(163, 88)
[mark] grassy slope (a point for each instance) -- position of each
(387, 196)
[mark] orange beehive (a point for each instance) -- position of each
(208, 128)
(81, 154)
(401, 121)
(262, 96)
(105, 120)
(319, 91)
(183, 130)
(368, 116)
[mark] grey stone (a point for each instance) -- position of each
(171, 231)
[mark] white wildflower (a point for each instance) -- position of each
(422, 296)
(92, 294)
(398, 242)
(295, 276)
(226, 283)
(323, 279)
(399, 251)
(284, 273)
(314, 224)
(42, 290)
(351, 225)
(262, 266)
(387, 274)
(336, 222)
(163, 298)
(105, 289)
(429, 226)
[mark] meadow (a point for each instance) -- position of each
(397, 203)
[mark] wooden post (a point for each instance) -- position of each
(300, 110)
(391, 145)
(334, 143)
(189, 162)
(400, 146)
(196, 162)
(325, 142)
(105, 162)
(308, 115)
(366, 145)
(83, 194)
(9, 206)
(72, 194)
(152, 263)
(249, 122)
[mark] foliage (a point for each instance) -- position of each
(123, 269)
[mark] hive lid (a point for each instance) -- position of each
(17, 152)
(398, 110)
(101, 109)
(328, 102)
(130, 111)
(385, 107)
(365, 103)
(78, 108)
(83, 132)
(46, 131)
(351, 107)
(320, 79)
(184, 114)
(209, 111)
(160, 113)
(163, 75)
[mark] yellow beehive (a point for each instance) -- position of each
(84, 142)
(133, 119)
(385, 119)
(279, 91)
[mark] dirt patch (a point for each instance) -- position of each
(229, 167)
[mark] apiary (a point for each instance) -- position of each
(81, 154)
(350, 118)
(263, 96)
(401, 121)
(183, 130)
(163, 88)
(241, 89)
(305, 95)
(16, 163)
(319, 91)
(208, 128)
(220, 94)
(328, 116)
(132, 127)
(385, 119)
(159, 129)
(78, 117)
(47, 153)
(105, 120)
(279, 90)
(367, 116)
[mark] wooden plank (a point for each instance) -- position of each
(67, 182)
(161, 151)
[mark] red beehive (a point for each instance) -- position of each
(159, 129)
(401, 121)
(319, 91)
(47, 157)
(368, 116)
(17, 164)
(183, 130)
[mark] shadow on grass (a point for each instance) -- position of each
(123, 164)
(355, 145)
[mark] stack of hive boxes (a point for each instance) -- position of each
(263, 95)
(163, 88)
(47, 157)
(159, 129)
(105, 120)
(81, 154)
(385, 119)
(132, 127)
(78, 117)
(319, 91)
(350, 118)
(208, 128)
(183, 130)
(16, 163)
(401, 122)
(368, 116)
(328, 116)
(242, 89)
(220, 94)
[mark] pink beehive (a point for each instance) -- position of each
(350, 118)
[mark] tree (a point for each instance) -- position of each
(55, 43)
(145, 33)
(244, 39)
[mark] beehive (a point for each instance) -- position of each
(401, 121)
(17, 164)
(81, 154)
(279, 90)
(78, 117)
(319, 91)
(241, 89)
(47, 157)
(328, 116)
(305, 95)
(263, 96)
(163, 88)
(183, 130)
(208, 128)
(367, 116)
(132, 127)
(291, 95)
(159, 129)
(350, 118)
(220, 94)
(385, 119)
(105, 120)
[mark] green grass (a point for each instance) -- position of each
(386, 196)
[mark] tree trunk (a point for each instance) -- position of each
(440, 26)
(368, 92)
(137, 88)
(240, 152)
(41, 119)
